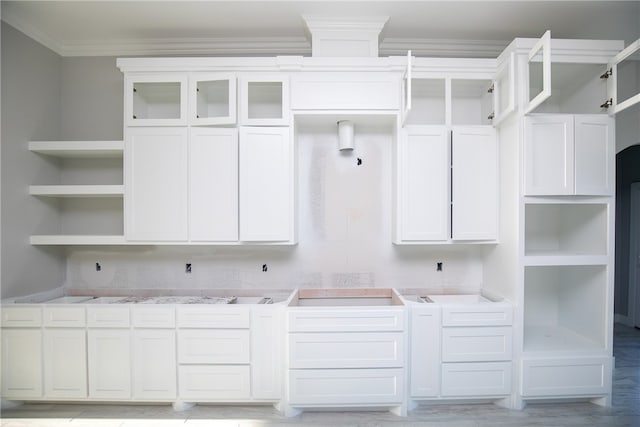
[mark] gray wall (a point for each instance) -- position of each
(30, 111)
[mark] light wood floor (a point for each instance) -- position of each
(625, 410)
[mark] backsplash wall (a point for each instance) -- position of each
(344, 235)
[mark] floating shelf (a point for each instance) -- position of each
(77, 190)
(78, 148)
(77, 240)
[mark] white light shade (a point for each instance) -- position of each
(346, 131)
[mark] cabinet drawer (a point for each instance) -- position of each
(476, 344)
(213, 317)
(64, 316)
(345, 91)
(476, 379)
(566, 377)
(487, 314)
(219, 383)
(199, 346)
(315, 387)
(346, 320)
(21, 317)
(153, 317)
(346, 350)
(108, 317)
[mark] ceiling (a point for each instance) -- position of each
(429, 28)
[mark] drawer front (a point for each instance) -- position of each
(153, 317)
(199, 346)
(64, 317)
(346, 320)
(21, 317)
(476, 379)
(108, 316)
(316, 387)
(346, 350)
(566, 377)
(214, 317)
(476, 344)
(219, 383)
(345, 91)
(477, 315)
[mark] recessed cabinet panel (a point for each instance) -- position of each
(21, 363)
(479, 344)
(476, 379)
(154, 364)
(594, 155)
(266, 184)
(109, 357)
(425, 352)
(548, 156)
(205, 346)
(423, 184)
(214, 383)
(266, 356)
(65, 363)
(213, 195)
(566, 377)
(156, 178)
(474, 193)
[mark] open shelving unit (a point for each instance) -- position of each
(89, 214)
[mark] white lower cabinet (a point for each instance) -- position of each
(214, 382)
(425, 351)
(267, 333)
(65, 363)
(21, 363)
(344, 387)
(213, 346)
(109, 352)
(575, 376)
(476, 379)
(154, 364)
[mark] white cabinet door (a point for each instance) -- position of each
(264, 100)
(212, 98)
(538, 73)
(109, 360)
(474, 195)
(476, 379)
(217, 383)
(548, 155)
(622, 88)
(266, 353)
(594, 155)
(213, 346)
(156, 99)
(423, 169)
(213, 184)
(154, 364)
(575, 376)
(504, 90)
(65, 363)
(21, 363)
(425, 352)
(156, 166)
(266, 184)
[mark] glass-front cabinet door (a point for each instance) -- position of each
(156, 99)
(622, 84)
(538, 72)
(504, 90)
(406, 88)
(212, 99)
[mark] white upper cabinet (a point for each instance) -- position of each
(156, 99)
(212, 98)
(423, 185)
(474, 183)
(156, 199)
(213, 184)
(538, 73)
(266, 184)
(264, 100)
(622, 87)
(567, 155)
(471, 102)
(427, 100)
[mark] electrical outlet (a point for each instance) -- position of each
(187, 267)
(264, 267)
(439, 266)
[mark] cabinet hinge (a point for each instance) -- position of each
(608, 103)
(134, 90)
(491, 116)
(607, 74)
(491, 88)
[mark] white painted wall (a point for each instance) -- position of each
(30, 111)
(344, 236)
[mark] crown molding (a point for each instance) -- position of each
(443, 48)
